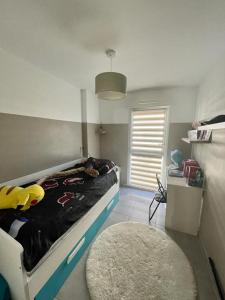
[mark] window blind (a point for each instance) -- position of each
(146, 147)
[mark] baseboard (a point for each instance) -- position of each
(214, 285)
(217, 279)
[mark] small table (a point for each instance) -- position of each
(184, 206)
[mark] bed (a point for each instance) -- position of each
(42, 278)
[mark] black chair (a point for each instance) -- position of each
(160, 197)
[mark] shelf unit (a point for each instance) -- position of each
(212, 127)
(188, 141)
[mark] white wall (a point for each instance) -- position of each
(181, 100)
(114, 145)
(27, 90)
(90, 107)
(93, 110)
(90, 120)
(211, 97)
(114, 112)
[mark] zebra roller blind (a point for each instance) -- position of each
(147, 147)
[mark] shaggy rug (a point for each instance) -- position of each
(134, 261)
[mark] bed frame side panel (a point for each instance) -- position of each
(55, 282)
(11, 266)
(38, 279)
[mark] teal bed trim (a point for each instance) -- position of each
(55, 282)
(4, 289)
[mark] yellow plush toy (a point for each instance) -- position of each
(13, 196)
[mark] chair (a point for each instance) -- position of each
(160, 197)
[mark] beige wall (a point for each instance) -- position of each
(211, 102)
(90, 124)
(114, 144)
(212, 232)
(30, 144)
(176, 132)
(91, 140)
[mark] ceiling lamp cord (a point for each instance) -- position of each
(110, 53)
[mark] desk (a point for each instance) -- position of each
(184, 206)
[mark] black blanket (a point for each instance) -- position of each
(66, 200)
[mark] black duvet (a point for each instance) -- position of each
(66, 200)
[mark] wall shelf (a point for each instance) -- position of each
(213, 126)
(188, 141)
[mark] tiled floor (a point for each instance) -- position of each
(133, 206)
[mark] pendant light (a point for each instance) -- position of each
(110, 85)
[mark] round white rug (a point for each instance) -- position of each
(134, 261)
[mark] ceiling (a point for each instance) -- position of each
(159, 42)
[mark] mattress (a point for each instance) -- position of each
(66, 200)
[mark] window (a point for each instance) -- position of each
(147, 146)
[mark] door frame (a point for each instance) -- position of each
(165, 146)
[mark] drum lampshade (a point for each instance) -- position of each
(110, 86)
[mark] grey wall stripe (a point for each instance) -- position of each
(30, 144)
(114, 145)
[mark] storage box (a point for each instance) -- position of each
(195, 176)
(188, 163)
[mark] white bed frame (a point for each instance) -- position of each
(24, 285)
